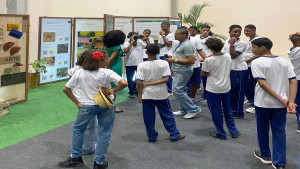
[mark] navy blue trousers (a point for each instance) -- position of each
(237, 92)
(130, 70)
(169, 83)
(250, 83)
(297, 101)
(219, 103)
(166, 116)
(276, 117)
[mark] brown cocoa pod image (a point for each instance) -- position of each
(14, 50)
(8, 45)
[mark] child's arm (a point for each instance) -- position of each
(113, 56)
(204, 73)
(293, 90)
(263, 84)
(156, 82)
(251, 58)
(139, 87)
(71, 96)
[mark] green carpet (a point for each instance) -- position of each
(47, 108)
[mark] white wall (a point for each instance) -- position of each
(90, 8)
(275, 19)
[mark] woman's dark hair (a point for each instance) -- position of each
(131, 33)
(153, 49)
(147, 30)
(250, 26)
(234, 26)
(205, 26)
(89, 63)
(215, 44)
(266, 42)
(114, 38)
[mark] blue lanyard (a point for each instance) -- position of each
(179, 45)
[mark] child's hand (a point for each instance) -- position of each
(201, 59)
(285, 102)
(291, 108)
(232, 40)
(207, 73)
(161, 32)
(79, 105)
(144, 85)
(140, 100)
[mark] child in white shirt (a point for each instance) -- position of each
(275, 93)
(151, 78)
(90, 78)
(294, 55)
(217, 69)
(235, 47)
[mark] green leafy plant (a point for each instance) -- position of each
(194, 14)
(38, 66)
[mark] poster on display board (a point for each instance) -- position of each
(140, 24)
(88, 34)
(14, 49)
(174, 24)
(124, 24)
(108, 23)
(55, 47)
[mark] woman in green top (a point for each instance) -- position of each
(112, 41)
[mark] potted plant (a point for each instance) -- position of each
(35, 69)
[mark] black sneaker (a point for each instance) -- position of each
(298, 130)
(180, 137)
(236, 136)
(265, 160)
(213, 134)
(277, 167)
(100, 166)
(71, 162)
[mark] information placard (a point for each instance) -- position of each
(124, 24)
(140, 24)
(88, 34)
(109, 23)
(174, 24)
(55, 47)
(14, 48)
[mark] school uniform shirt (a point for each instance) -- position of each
(76, 90)
(90, 81)
(182, 50)
(277, 72)
(145, 44)
(196, 47)
(219, 67)
(152, 70)
(294, 55)
(165, 50)
(248, 50)
(238, 63)
(202, 46)
(135, 54)
(174, 45)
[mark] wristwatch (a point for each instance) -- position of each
(176, 60)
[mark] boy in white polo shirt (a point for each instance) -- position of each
(235, 47)
(165, 42)
(294, 55)
(217, 69)
(151, 78)
(275, 93)
(249, 31)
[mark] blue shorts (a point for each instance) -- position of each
(195, 79)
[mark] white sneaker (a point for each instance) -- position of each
(178, 113)
(250, 110)
(246, 101)
(190, 115)
(170, 94)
